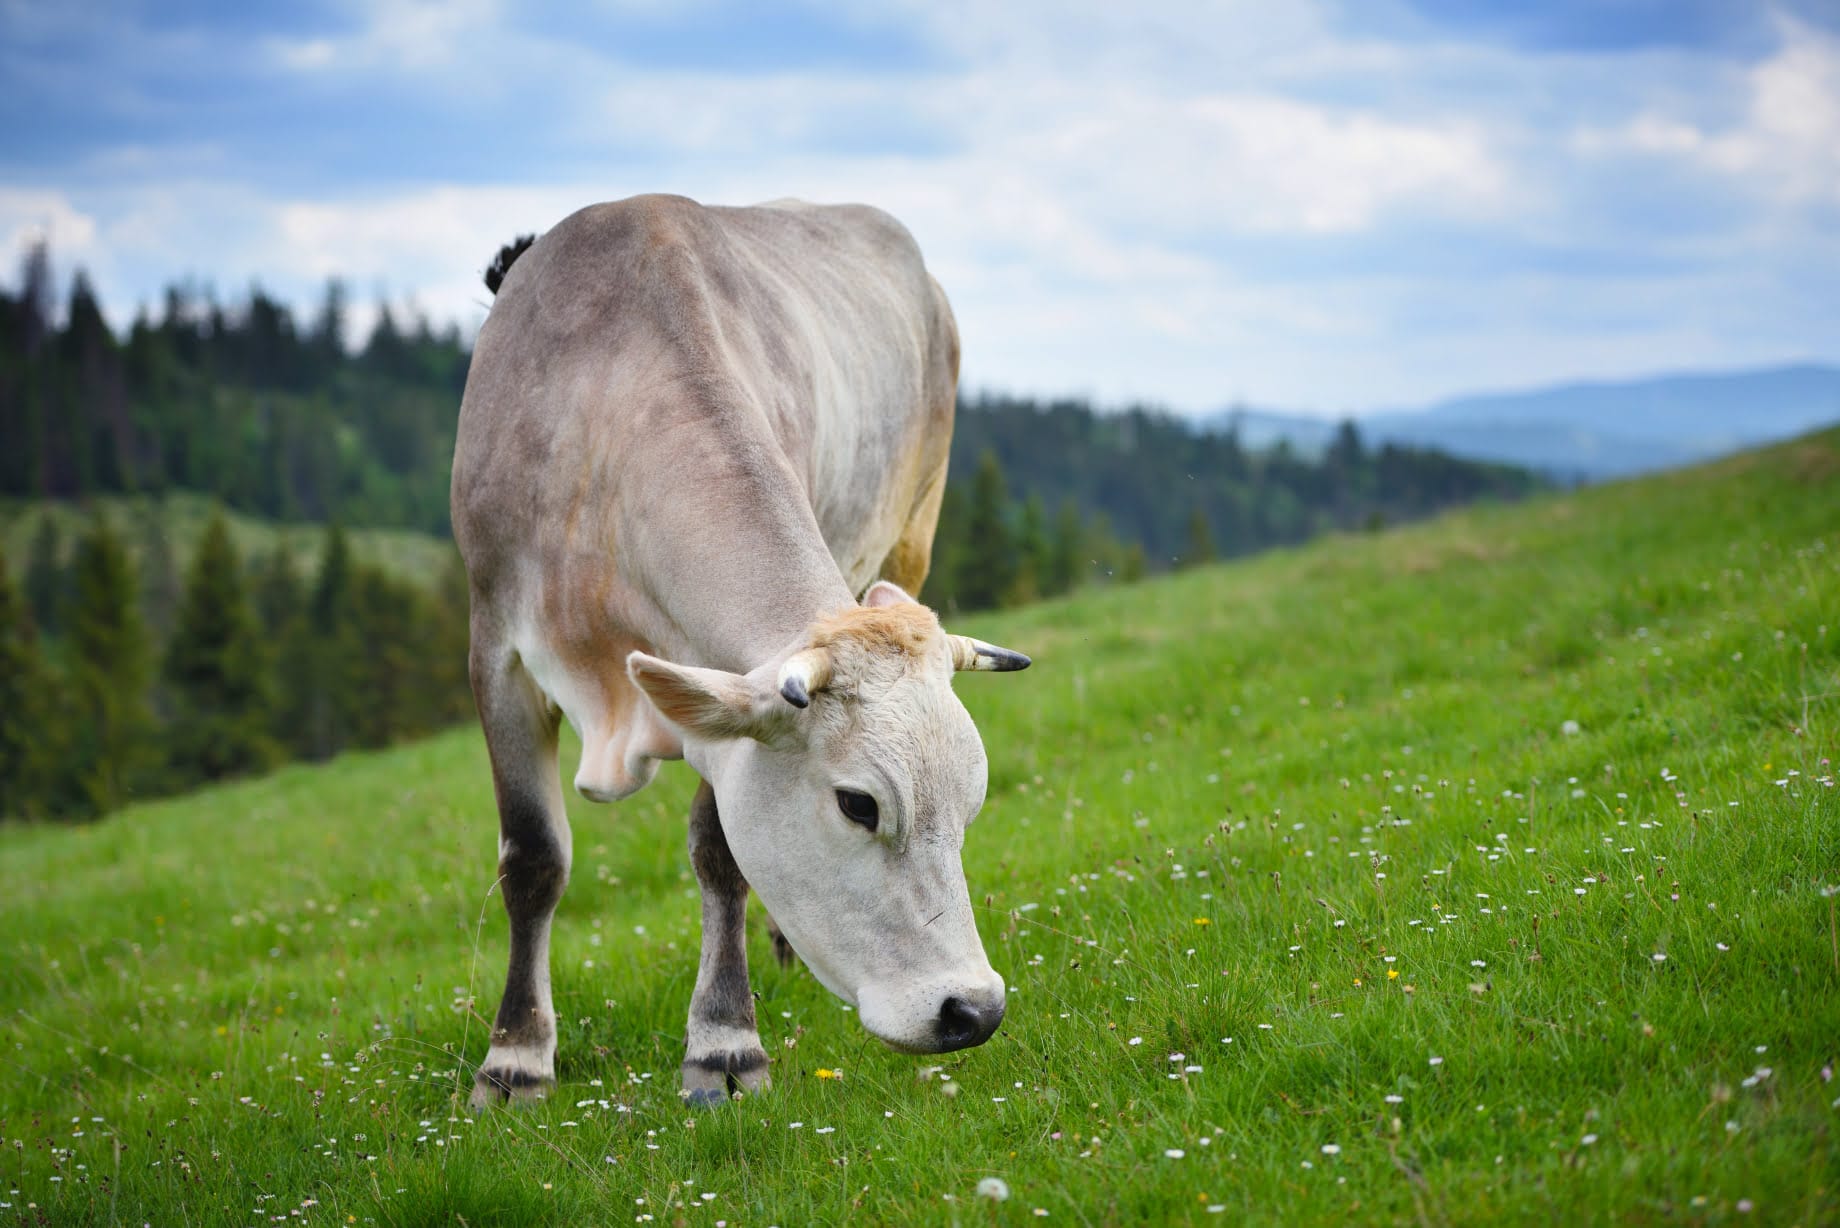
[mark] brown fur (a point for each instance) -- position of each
(907, 629)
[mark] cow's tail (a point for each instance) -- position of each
(507, 256)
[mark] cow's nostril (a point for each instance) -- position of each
(962, 1024)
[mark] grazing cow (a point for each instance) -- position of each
(690, 438)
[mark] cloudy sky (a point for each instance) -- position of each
(1310, 205)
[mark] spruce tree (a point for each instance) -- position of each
(112, 726)
(1200, 539)
(46, 580)
(218, 671)
(159, 573)
(1133, 566)
(941, 588)
(332, 662)
(278, 593)
(386, 688)
(988, 564)
(1031, 545)
(446, 645)
(1066, 545)
(27, 747)
(281, 606)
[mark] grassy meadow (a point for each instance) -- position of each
(1479, 871)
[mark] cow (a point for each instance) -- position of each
(699, 462)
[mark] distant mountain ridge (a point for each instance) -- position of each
(1591, 430)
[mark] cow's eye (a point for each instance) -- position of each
(858, 808)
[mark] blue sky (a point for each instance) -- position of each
(1319, 206)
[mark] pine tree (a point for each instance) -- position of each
(988, 565)
(1103, 547)
(278, 593)
(27, 740)
(47, 582)
(159, 573)
(218, 671)
(1031, 544)
(108, 648)
(941, 588)
(386, 692)
(446, 645)
(323, 674)
(280, 603)
(327, 341)
(1066, 546)
(1133, 565)
(1200, 539)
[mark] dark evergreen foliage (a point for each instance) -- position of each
(1148, 491)
(217, 672)
(231, 401)
(111, 748)
(1200, 547)
(987, 564)
(278, 592)
(46, 578)
(29, 738)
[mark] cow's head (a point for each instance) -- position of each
(845, 776)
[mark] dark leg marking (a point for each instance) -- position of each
(533, 866)
(723, 1053)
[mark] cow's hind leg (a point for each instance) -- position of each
(533, 866)
(722, 1046)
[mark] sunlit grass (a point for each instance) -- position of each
(1481, 870)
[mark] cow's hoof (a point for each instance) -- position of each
(711, 1078)
(508, 1084)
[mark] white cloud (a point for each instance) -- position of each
(29, 216)
(398, 34)
(1784, 146)
(1101, 189)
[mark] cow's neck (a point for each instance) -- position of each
(753, 604)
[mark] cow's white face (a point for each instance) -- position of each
(847, 812)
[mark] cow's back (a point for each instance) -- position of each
(684, 429)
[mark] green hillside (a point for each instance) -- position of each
(1483, 870)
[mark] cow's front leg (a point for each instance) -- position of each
(723, 1053)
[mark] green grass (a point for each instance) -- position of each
(183, 517)
(262, 999)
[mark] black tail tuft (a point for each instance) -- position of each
(507, 256)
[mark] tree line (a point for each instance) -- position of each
(237, 401)
(1047, 497)
(100, 703)
(282, 420)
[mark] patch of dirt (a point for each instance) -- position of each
(1813, 461)
(1434, 556)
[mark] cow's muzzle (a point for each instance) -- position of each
(967, 1021)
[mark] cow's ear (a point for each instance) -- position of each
(710, 704)
(886, 593)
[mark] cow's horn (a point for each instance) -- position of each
(968, 653)
(805, 673)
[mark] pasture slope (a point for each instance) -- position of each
(1477, 872)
